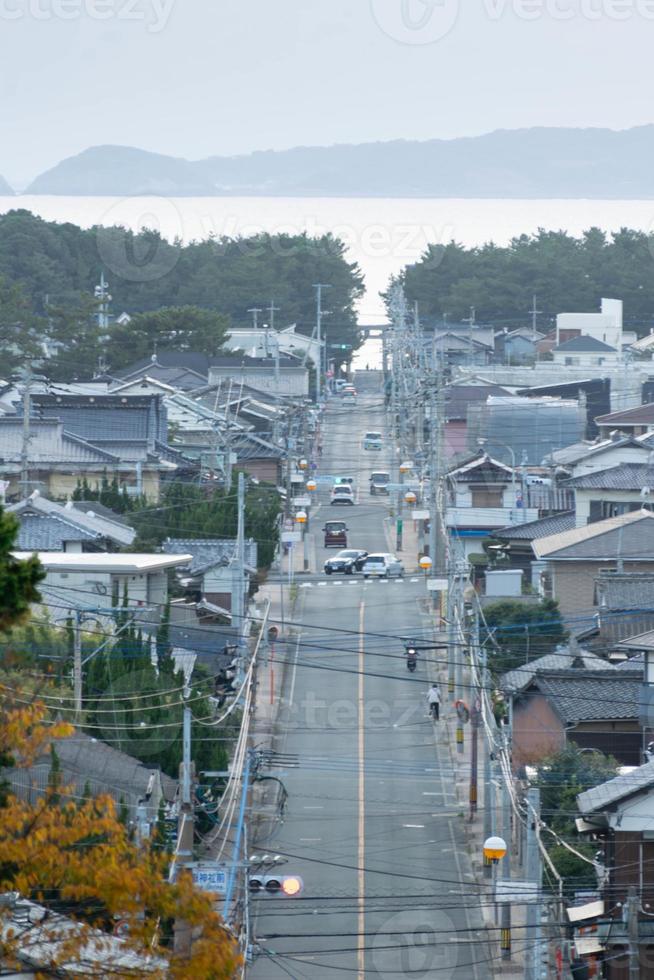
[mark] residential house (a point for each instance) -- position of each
(605, 326)
(211, 569)
(610, 492)
(575, 559)
(182, 370)
(483, 494)
(593, 709)
(457, 349)
(48, 944)
(133, 428)
(632, 422)
(618, 815)
(58, 460)
(516, 540)
(584, 352)
(283, 376)
(96, 583)
(589, 457)
(267, 342)
(48, 526)
(625, 606)
(87, 763)
(517, 346)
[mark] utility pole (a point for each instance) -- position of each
(255, 311)
(534, 873)
(507, 833)
(77, 665)
(183, 934)
(238, 573)
(25, 445)
(319, 286)
(632, 911)
(534, 318)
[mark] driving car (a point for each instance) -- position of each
(347, 562)
(349, 398)
(335, 534)
(382, 565)
(373, 441)
(342, 494)
(379, 482)
(348, 390)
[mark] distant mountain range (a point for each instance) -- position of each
(530, 163)
(5, 189)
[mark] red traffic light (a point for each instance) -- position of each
(284, 886)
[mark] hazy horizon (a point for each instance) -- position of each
(192, 83)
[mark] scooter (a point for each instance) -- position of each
(411, 659)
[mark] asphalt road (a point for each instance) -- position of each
(371, 825)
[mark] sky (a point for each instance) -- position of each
(195, 78)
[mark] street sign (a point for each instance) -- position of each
(437, 584)
(302, 501)
(210, 877)
(517, 892)
(420, 515)
(291, 537)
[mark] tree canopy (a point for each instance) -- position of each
(55, 267)
(18, 579)
(517, 632)
(567, 274)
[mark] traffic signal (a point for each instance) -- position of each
(282, 886)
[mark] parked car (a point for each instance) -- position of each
(342, 494)
(379, 482)
(348, 389)
(373, 441)
(335, 534)
(382, 565)
(349, 398)
(347, 562)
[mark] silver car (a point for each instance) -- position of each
(382, 565)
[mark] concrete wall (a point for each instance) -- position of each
(573, 583)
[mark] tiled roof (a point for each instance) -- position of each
(45, 525)
(521, 677)
(457, 398)
(584, 343)
(99, 510)
(542, 528)
(235, 361)
(208, 552)
(626, 590)
(592, 696)
(641, 415)
(49, 443)
(644, 641)
(112, 418)
(613, 790)
(626, 476)
(630, 535)
(480, 468)
(188, 360)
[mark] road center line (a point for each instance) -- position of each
(361, 938)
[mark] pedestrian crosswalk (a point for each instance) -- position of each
(358, 582)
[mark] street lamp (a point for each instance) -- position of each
(410, 497)
(494, 849)
(311, 486)
(301, 517)
(302, 464)
(405, 467)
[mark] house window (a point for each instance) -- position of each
(482, 497)
(600, 510)
(571, 361)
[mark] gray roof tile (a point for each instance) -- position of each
(209, 551)
(592, 696)
(584, 343)
(640, 415)
(626, 476)
(542, 528)
(630, 535)
(518, 679)
(49, 443)
(613, 790)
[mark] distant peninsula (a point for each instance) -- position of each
(5, 189)
(522, 163)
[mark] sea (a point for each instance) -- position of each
(382, 235)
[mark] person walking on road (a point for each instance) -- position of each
(434, 700)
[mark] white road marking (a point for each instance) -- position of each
(321, 584)
(306, 585)
(414, 826)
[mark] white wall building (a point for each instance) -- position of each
(605, 326)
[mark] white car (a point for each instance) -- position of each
(382, 565)
(373, 441)
(342, 494)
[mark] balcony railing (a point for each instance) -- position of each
(489, 517)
